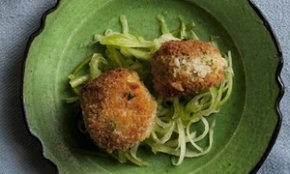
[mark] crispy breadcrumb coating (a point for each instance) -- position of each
(118, 110)
(183, 67)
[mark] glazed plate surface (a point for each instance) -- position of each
(245, 127)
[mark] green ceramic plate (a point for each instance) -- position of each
(245, 127)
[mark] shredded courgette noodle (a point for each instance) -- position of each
(178, 121)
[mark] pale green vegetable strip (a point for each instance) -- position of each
(108, 32)
(163, 38)
(138, 53)
(162, 124)
(164, 27)
(193, 143)
(176, 106)
(79, 81)
(183, 33)
(188, 27)
(124, 24)
(214, 43)
(115, 56)
(230, 67)
(121, 157)
(194, 35)
(167, 135)
(206, 129)
(229, 80)
(76, 91)
(125, 40)
(79, 67)
(192, 135)
(181, 143)
(135, 159)
(72, 99)
(94, 64)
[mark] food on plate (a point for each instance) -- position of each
(184, 67)
(118, 110)
(190, 79)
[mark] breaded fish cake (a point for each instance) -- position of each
(183, 67)
(118, 110)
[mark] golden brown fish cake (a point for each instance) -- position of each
(183, 67)
(118, 110)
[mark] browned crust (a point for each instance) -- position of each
(169, 85)
(193, 48)
(118, 110)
